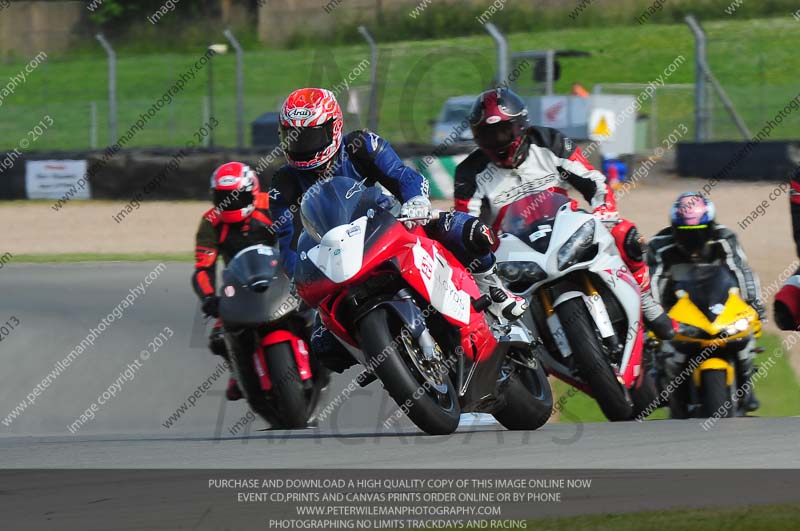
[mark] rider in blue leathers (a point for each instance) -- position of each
(316, 149)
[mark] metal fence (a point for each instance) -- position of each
(749, 75)
(164, 98)
(74, 93)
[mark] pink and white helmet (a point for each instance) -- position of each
(310, 127)
(692, 218)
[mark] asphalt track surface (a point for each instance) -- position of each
(56, 305)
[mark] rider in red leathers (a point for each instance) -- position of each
(516, 159)
(787, 300)
(239, 218)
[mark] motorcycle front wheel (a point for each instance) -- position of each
(287, 404)
(528, 399)
(717, 401)
(422, 390)
(591, 360)
(288, 389)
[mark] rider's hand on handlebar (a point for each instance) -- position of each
(211, 305)
(416, 207)
(606, 214)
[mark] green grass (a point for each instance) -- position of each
(777, 389)
(762, 518)
(103, 257)
(755, 60)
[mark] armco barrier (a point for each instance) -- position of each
(774, 160)
(165, 174)
(12, 176)
(440, 172)
(162, 174)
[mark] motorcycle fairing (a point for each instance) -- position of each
(379, 232)
(437, 281)
(429, 269)
(606, 264)
(254, 290)
(714, 364)
(734, 308)
(340, 253)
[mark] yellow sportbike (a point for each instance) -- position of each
(717, 327)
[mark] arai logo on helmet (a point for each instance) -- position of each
(492, 120)
(228, 180)
(298, 113)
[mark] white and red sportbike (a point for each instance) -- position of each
(412, 315)
(583, 300)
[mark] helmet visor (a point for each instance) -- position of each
(692, 237)
(497, 136)
(229, 200)
(305, 143)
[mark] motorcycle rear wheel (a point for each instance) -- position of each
(433, 412)
(591, 360)
(645, 397)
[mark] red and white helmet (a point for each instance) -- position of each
(310, 127)
(233, 188)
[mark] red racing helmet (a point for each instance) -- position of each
(234, 186)
(787, 305)
(310, 128)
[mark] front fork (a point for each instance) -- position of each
(598, 311)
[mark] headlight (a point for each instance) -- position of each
(519, 271)
(579, 248)
(739, 326)
(509, 271)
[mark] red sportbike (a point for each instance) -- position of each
(412, 315)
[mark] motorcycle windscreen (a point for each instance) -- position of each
(707, 286)
(336, 217)
(336, 202)
(254, 267)
(531, 218)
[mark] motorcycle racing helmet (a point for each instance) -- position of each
(787, 304)
(498, 120)
(692, 219)
(310, 128)
(234, 187)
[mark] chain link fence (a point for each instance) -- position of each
(413, 84)
(169, 95)
(751, 78)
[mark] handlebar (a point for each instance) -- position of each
(434, 216)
